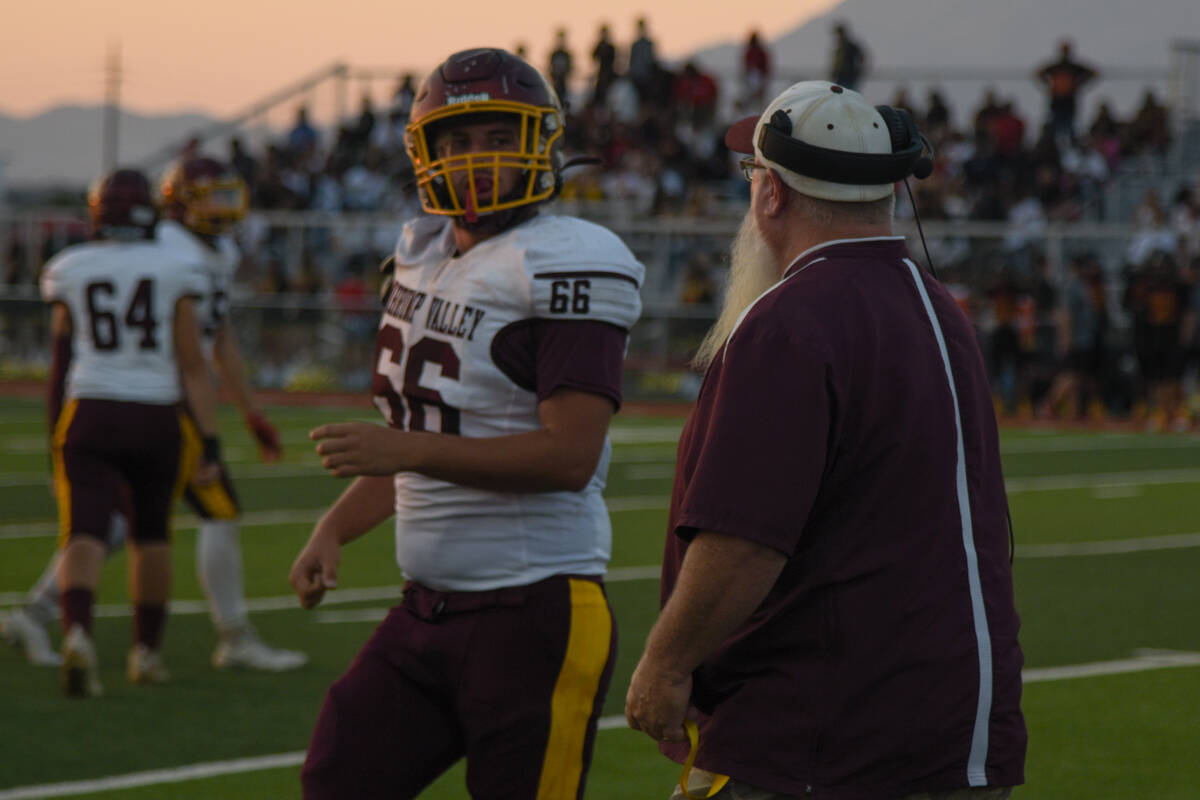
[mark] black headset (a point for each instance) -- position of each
(908, 157)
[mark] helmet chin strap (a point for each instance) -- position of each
(469, 213)
(497, 221)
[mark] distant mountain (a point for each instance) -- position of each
(964, 45)
(65, 145)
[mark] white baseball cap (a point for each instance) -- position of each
(821, 115)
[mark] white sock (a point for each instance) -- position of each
(42, 601)
(219, 568)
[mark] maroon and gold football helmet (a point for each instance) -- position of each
(121, 206)
(485, 82)
(204, 194)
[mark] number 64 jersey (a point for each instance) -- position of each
(467, 346)
(121, 297)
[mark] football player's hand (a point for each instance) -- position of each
(207, 473)
(657, 702)
(358, 448)
(316, 569)
(269, 446)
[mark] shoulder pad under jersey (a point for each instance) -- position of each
(424, 239)
(580, 271)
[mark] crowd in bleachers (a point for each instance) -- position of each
(656, 130)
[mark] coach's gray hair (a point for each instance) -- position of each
(826, 213)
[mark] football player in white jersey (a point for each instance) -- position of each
(202, 198)
(126, 354)
(498, 368)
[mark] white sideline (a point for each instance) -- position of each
(287, 602)
(1142, 661)
(1105, 481)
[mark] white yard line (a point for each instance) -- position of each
(252, 519)
(1108, 481)
(1102, 480)
(287, 602)
(1141, 662)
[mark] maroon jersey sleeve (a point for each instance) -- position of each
(753, 454)
(545, 355)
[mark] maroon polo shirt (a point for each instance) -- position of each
(848, 424)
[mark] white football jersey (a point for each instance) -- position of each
(436, 371)
(220, 264)
(121, 297)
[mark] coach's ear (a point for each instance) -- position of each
(774, 199)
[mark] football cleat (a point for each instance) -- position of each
(146, 666)
(80, 672)
(20, 629)
(246, 651)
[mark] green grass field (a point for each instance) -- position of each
(1108, 568)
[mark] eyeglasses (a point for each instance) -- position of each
(748, 166)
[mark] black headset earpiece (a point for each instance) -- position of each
(861, 169)
(905, 135)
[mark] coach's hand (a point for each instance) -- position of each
(316, 568)
(358, 448)
(657, 702)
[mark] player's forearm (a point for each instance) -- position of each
(193, 371)
(538, 461)
(201, 397)
(60, 362)
(365, 503)
(722, 581)
(231, 368)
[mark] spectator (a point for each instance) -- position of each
(1107, 133)
(402, 98)
(849, 58)
(756, 72)
(1185, 221)
(302, 138)
(695, 95)
(1082, 343)
(1165, 302)
(937, 117)
(1153, 232)
(1008, 132)
(560, 67)
(1063, 80)
(1149, 131)
(698, 287)
(604, 56)
(243, 163)
(988, 109)
(643, 63)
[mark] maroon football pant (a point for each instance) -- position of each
(112, 456)
(512, 679)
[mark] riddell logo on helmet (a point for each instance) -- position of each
(475, 97)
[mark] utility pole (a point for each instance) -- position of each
(112, 105)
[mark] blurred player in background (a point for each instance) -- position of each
(126, 352)
(203, 199)
(498, 369)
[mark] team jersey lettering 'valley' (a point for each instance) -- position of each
(436, 370)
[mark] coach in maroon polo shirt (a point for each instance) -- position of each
(837, 592)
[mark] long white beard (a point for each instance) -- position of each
(752, 270)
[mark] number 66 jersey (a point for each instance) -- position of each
(468, 345)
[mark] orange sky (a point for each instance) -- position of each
(219, 56)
